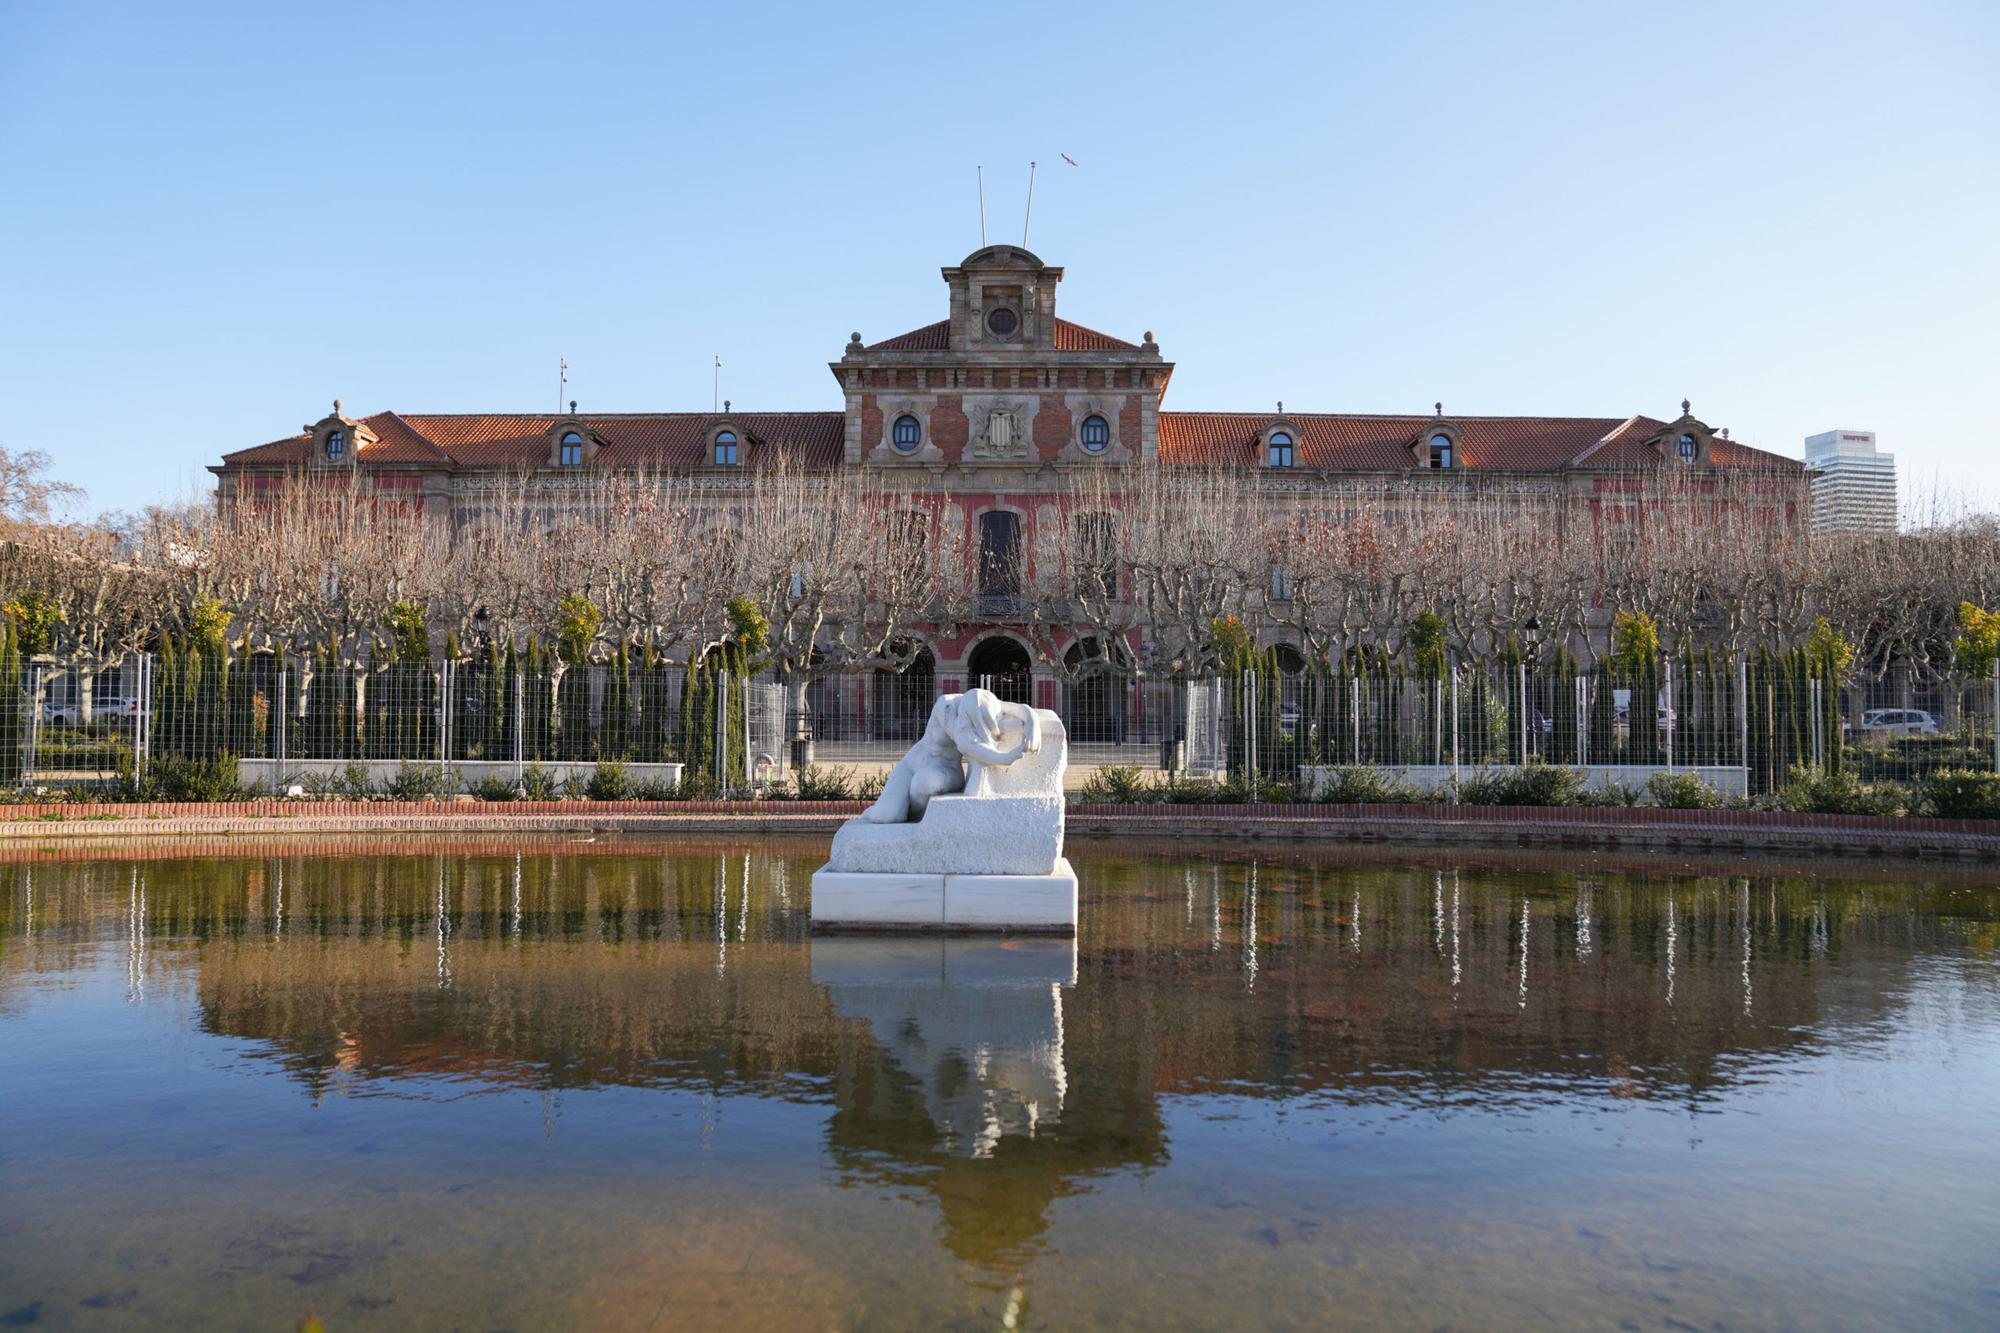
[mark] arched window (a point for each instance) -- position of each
(1689, 448)
(725, 448)
(1096, 434)
(336, 445)
(1281, 449)
(1440, 451)
(570, 450)
(906, 434)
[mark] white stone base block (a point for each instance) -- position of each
(960, 903)
(868, 899)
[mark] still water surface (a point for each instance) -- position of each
(611, 1085)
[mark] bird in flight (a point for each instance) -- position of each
(1067, 158)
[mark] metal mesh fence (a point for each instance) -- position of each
(1747, 725)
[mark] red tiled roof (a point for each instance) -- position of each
(1076, 338)
(631, 439)
(1363, 442)
(930, 338)
(1069, 338)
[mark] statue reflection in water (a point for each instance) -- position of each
(962, 1090)
(975, 1023)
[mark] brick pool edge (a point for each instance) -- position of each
(1429, 825)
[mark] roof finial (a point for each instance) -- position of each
(1281, 407)
(1685, 408)
(1439, 405)
(336, 407)
(572, 407)
(725, 404)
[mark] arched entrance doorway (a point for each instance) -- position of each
(1094, 700)
(1001, 664)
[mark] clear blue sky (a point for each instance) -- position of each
(219, 218)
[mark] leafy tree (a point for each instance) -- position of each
(1635, 641)
(35, 616)
(1978, 646)
(1426, 642)
(409, 632)
(577, 623)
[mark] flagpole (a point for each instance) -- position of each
(1030, 215)
(982, 206)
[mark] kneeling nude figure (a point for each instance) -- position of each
(973, 725)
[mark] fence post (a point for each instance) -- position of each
(1250, 725)
(1521, 705)
(1673, 712)
(722, 733)
(34, 722)
(278, 729)
(520, 696)
(1580, 687)
(1815, 689)
(444, 719)
(1354, 713)
(1994, 719)
(142, 730)
(1454, 731)
(1743, 717)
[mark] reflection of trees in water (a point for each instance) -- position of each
(1298, 977)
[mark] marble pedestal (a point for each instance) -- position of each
(888, 900)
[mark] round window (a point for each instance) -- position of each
(1001, 322)
(1095, 435)
(906, 434)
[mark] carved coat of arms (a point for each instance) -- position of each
(1004, 432)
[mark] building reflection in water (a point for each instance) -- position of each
(989, 1077)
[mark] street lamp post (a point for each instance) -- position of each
(1531, 636)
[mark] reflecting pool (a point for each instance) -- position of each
(613, 1084)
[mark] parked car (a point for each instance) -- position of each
(1893, 722)
(104, 708)
(62, 715)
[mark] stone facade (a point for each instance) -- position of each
(999, 404)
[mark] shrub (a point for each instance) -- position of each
(823, 784)
(415, 782)
(538, 784)
(612, 781)
(172, 778)
(1962, 794)
(1817, 793)
(1364, 785)
(1613, 792)
(493, 789)
(653, 789)
(870, 787)
(1120, 784)
(1681, 791)
(1536, 784)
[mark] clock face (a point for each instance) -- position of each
(1002, 322)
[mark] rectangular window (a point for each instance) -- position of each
(999, 554)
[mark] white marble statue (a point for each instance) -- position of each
(966, 738)
(967, 833)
